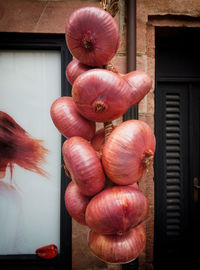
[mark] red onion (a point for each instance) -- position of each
(139, 81)
(117, 209)
(83, 165)
(92, 36)
(134, 185)
(128, 152)
(98, 140)
(100, 95)
(76, 202)
(74, 69)
(140, 84)
(68, 121)
(118, 249)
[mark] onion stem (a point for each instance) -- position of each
(111, 67)
(148, 159)
(108, 127)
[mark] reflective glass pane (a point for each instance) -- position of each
(30, 203)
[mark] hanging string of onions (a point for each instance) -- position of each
(104, 165)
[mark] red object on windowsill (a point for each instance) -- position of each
(47, 252)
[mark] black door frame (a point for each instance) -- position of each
(22, 41)
(164, 243)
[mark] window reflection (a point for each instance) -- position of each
(29, 173)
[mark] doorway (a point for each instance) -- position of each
(177, 161)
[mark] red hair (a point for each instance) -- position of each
(18, 147)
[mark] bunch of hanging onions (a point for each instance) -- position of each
(104, 165)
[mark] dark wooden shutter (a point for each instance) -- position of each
(171, 172)
(173, 164)
(177, 152)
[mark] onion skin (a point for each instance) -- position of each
(128, 152)
(92, 36)
(139, 81)
(116, 209)
(69, 121)
(134, 185)
(83, 165)
(140, 84)
(76, 202)
(74, 69)
(118, 249)
(98, 140)
(100, 95)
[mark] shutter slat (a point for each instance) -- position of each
(172, 142)
(172, 175)
(170, 116)
(172, 123)
(173, 164)
(170, 109)
(174, 148)
(172, 129)
(172, 97)
(170, 135)
(172, 161)
(172, 103)
(174, 154)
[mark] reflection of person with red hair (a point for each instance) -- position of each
(16, 147)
